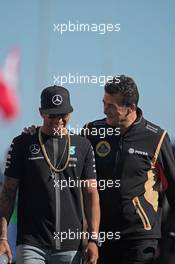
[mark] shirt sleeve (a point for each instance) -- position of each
(14, 161)
(167, 162)
(89, 170)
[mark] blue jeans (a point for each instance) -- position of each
(26, 254)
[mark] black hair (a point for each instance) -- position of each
(124, 86)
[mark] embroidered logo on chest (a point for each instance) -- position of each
(34, 149)
(103, 148)
(139, 152)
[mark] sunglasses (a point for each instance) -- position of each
(56, 116)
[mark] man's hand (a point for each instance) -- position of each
(5, 249)
(30, 130)
(7, 200)
(91, 253)
(92, 213)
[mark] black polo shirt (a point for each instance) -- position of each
(49, 208)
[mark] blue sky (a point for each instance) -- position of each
(143, 49)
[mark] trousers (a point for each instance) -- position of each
(128, 252)
(26, 254)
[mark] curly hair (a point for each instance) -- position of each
(124, 86)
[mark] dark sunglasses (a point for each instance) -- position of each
(56, 116)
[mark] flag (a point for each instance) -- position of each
(9, 75)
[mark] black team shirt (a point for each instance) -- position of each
(135, 207)
(49, 208)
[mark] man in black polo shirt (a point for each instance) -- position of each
(137, 155)
(49, 168)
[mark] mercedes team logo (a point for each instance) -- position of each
(34, 149)
(131, 151)
(57, 99)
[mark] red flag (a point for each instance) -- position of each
(9, 75)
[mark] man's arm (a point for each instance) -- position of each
(92, 213)
(91, 206)
(7, 201)
(167, 162)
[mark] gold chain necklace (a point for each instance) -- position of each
(52, 168)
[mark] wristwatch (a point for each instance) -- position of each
(96, 241)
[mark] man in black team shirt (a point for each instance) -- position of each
(48, 169)
(141, 161)
(135, 165)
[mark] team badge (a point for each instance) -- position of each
(57, 99)
(72, 150)
(103, 148)
(34, 149)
